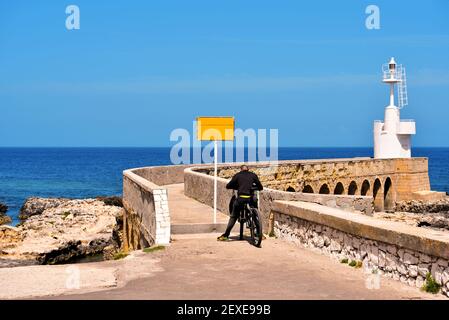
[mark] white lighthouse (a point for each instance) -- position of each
(392, 137)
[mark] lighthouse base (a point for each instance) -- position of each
(393, 141)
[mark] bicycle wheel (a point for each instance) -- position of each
(256, 228)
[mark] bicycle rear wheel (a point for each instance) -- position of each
(256, 228)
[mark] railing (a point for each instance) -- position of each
(397, 74)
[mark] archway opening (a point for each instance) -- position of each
(352, 189)
(377, 195)
(290, 189)
(365, 188)
(339, 189)
(388, 196)
(307, 189)
(324, 189)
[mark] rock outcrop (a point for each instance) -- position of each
(3, 217)
(36, 206)
(420, 213)
(111, 201)
(438, 220)
(421, 206)
(62, 230)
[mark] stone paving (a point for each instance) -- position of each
(199, 267)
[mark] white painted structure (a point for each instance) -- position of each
(392, 137)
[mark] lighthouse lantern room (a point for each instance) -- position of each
(392, 137)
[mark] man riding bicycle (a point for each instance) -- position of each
(245, 182)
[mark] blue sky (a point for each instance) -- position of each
(136, 70)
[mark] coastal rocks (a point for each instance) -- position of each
(435, 220)
(420, 213)
(112, 201)
(3, 208)
(9, 236)
(420, 206)
(62, 230)
(35, 206)
(3, 217)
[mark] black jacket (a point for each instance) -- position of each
(245, 182)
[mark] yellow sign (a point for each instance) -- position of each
(215, 128)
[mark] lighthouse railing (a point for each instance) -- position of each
(397, 74)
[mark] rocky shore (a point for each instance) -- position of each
(3, 217)
(420, 206)
(55, 230)
(431, 214)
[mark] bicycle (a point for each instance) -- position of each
(250, 216)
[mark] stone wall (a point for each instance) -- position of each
(147, 220)
(357, 184)
(147, 216)
(200, 186)
(400, 252)
(386, 180)
(163, 175)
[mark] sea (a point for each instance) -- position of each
(92, 172)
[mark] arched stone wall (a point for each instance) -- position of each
(324, 189)
(290, 189)
(407, 175)
(389, 202)
(365, 188)
(378, 195)
(352, 189)
(339, 189)
(307, 189)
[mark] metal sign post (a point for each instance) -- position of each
(216, 129)
(215, 179)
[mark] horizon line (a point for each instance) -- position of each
(167, 147)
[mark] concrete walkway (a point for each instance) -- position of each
(186, 210)
(197, 266)
(189, 216)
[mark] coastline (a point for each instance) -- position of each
(58, 231)
(4, 218)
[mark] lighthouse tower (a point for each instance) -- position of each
(392, 137)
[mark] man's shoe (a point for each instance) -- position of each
(222, 238)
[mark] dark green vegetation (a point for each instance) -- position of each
(120, 255)
(152, 249)
(430, 285)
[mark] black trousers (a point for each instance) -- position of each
(237, 206)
